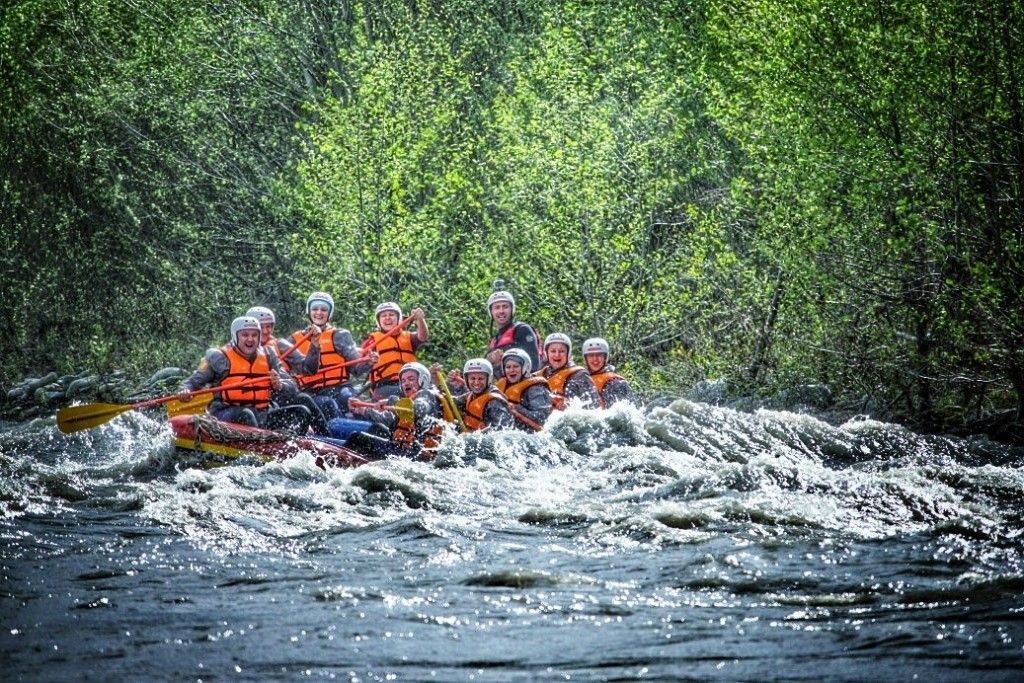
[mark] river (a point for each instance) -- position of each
(684, 541)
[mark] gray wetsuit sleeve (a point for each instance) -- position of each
(536, 403)
(582, 387)
(618, 390)
(346, 346)
(211, 371)
(497, 415)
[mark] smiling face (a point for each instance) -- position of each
(558, 355)
(595, 361)
(501, 312)
(319, 314)
(387, 320)
(476, 381)
(248, 341)
(266, 332)
(410, 382)
(513, 370)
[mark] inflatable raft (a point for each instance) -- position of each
(228, 441)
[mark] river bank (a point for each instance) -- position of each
(42, 396)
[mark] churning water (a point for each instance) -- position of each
(679, 542)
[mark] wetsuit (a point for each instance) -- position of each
(517, 335)
(611, 387)
(530, 398)
(569, 382)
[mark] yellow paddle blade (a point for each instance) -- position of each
(194, 407)
(403, 409)
(89, 415)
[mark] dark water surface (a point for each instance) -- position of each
(687, 542)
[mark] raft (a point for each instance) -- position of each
(230, 441)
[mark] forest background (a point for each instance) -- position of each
(771, 192)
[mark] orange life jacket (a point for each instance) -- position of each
(395, 351)
(514, 393)
(242, 369)
(473, 413)
(404, 432)
(556, 383)
(331, 371)
(602, 378)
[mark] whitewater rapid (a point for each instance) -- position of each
(674, 541)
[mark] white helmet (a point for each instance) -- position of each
(323, 298)
(261, 313)
(558, 338)
(387, 306)
(420, 370)
(595, 345)
(501, 295)
(519, 356)
(245, 322)
(479, 365)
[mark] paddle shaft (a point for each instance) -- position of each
(354, 361)
(368, 346)
(86, 416)
(356, 403)
(198, 392)
(450, 400)
(348, 363)
(295, 345)
(366, 349)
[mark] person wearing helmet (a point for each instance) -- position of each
(611, 388)
(329, 385)
(482, 406)
(242, 360)
(510, 333)
(289, 357)
(293, 362)
(566, 380)
(394, 348)
(420, 435)
(528, 395)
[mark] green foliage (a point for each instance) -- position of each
(548, 159)
(881, 142)
(767, 191)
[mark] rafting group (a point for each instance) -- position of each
(303, 383)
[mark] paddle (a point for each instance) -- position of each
(295, 345)
(403, 409)
(90, 415)
(370, 343)
(450, 400)
(348, 363)
(365, 350)
(193, 407)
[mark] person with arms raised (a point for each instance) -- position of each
(611, 387)
(395, 347)
(566, 380)
(244, 360)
